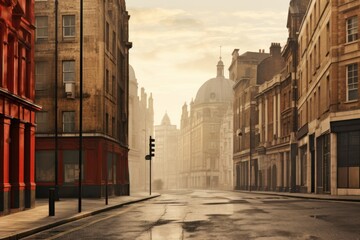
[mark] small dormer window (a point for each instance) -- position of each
(212, 96)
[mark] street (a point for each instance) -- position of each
(206, 214)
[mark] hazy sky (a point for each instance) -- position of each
(176, 43)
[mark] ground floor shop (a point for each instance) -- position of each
(324, 160)
(104, 167)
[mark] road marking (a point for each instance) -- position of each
(93, 222)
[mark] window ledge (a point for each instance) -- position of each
(351, 101)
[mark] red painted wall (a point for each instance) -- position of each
(17, 108)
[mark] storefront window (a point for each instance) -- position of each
(45, 166)
(348, 159)
(71, 166)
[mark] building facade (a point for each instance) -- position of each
(226, 150)
(17, 107)
(243, 72)
(141, 127)
(165, 163)
(328, 103)
(200, 133)
(105, 97)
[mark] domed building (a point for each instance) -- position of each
(199, 154)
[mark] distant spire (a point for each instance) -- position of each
(220, 67)
(220, 52)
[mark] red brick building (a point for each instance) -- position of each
(17, 108)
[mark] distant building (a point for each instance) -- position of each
(17, 108)
(141, 127)
(165, 163)
(200, 133)
(243, 72)
(226, 150)
(105, 97)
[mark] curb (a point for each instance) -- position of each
(35, 230)
(320, 198)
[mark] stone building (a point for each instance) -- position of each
(243, 72)
(226, 150)
(141, 127)
(200, 133)
(105, 97)
(328, 102)
(17, 107)
(165, 164)
(288, 95)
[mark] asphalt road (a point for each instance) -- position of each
(218, 215)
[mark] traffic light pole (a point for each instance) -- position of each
(149, 157)
(150, 180)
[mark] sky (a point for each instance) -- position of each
(176, 43)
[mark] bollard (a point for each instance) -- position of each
(51, 202)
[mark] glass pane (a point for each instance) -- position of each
(45, 166)
(354, 177)
(342, 177)
(71, 165)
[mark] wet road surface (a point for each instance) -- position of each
(218, 215)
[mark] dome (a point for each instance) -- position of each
(132, 77)
(217, 89)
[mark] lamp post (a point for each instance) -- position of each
(81, 105)
(250, 143)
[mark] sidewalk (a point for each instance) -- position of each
(351, 198)
(28, 222)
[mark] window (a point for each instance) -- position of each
(352, 81)
(45, 166)
(41, 24)
(352, 29)
(113, 85)
(41, 75)
(348, 159)
(113, 126)
(69, 26)
(328, 39)
(69, 71)
(42, 121)
(71, 165)
(69, 121)
(114, 43)
(107, 87)
(107, 36)
(107, 123)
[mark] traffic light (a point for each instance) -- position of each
(151, 147)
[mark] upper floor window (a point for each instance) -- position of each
(352, 29)
(41, 23)
(41, 75)
(68, 26)
(42, 121)
(69, 71)
(68, 121)
(352, 81)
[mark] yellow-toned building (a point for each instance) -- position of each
(141, 127)
(328, 103)
(199, 154)
(105, 97)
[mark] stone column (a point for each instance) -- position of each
(5, 186)
(17, 164)
(29, 165)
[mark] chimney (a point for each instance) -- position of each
(275, 49)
